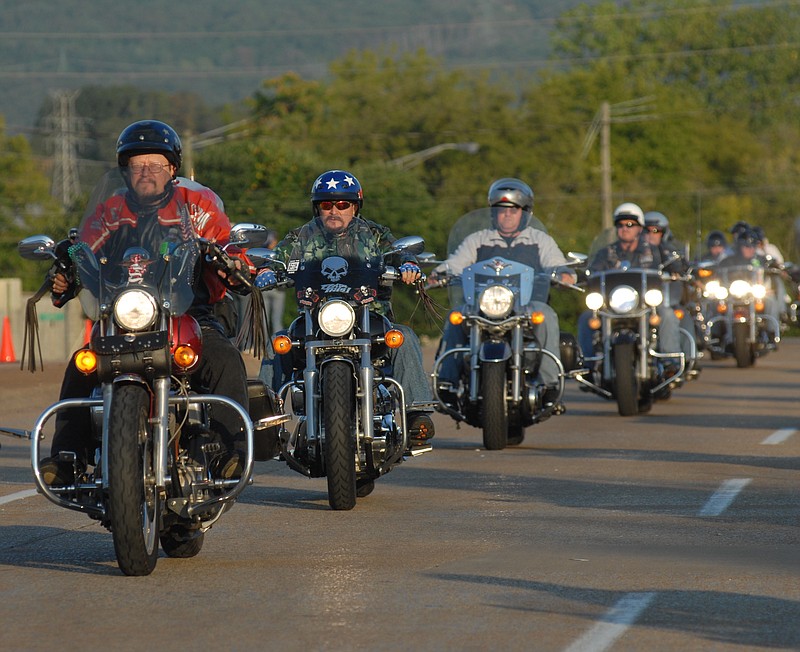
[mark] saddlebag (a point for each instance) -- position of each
(263, 403)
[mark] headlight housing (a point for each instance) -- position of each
(759, 291)
(337, 318)
(594, 301)
(623, 299)
(496, 301)
(740, 288)
(135, 310)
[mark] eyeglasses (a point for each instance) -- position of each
(340, 205)
(628, 224)
(154, 168)
(654, 229)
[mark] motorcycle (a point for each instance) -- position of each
(150, 481)
(351, 425)
(499, 389)
(737, 325)
(625, 363)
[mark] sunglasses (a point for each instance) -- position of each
(654, 229)
(340, 205)
(627, 224)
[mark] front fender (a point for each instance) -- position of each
(624, 337)
(494, 351)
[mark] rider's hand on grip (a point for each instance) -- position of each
(266, 279)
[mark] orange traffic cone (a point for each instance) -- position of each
(7, 347)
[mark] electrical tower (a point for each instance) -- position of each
(65, 131)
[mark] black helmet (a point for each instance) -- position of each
(149, 137)
(511, 192)
(737, 228)
(747, 238)
(716, 239)
(336, 185)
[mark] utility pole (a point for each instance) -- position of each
(630, 111)
(64, 129)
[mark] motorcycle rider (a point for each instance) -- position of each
(634, 250)
(149, 158)
(511, 237)
(745, 253)
(339, 229)
(716, 247)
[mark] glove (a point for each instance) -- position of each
(409, 267)
(266, 279)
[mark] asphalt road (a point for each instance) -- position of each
(675, 530)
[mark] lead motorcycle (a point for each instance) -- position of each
(150, 481)
(499, 389)
(351, 425)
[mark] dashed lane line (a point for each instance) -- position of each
(613, 624)
(723, 497)
(19, 495)
(779, 436)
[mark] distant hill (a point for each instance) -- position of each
(223, 51)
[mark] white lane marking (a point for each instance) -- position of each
(723, 497)
(613, 624)
(17, 496)
(779, 436)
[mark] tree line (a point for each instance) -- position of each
(715, 139)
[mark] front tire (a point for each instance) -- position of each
(338, 417)
(494, 405)
(742, 347)
(626, 382)
(133, 503)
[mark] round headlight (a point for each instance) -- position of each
(623, 299)
(496, 301)
(711, 289)
(337, 318)
(135, 310)
(759, 291)
(653, 298)
(594, 301)
(740, 288)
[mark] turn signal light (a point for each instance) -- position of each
(679, 313)
(722, 308)
(86, 361)
(394, 339)
(456, 318)
(282, 344)
(704, 273)
(537, 318)
(594, 323)
(184, 356)
(654, 320)
(759, 306)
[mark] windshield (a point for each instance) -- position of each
(354, 280)
(514, 267)
(121, 246)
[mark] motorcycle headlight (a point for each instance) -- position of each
(711, 289)
(594, 301)
(623, 299)
(496, 301)
(337, 318)
(653, 298)
(740, 288)
(135, 310)
(759, 291)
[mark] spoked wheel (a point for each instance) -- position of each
(494, 408)
(338, 416)
(626, 382)
(133, 503)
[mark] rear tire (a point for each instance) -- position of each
(494, 405)
(338, 415)
(133, 503)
